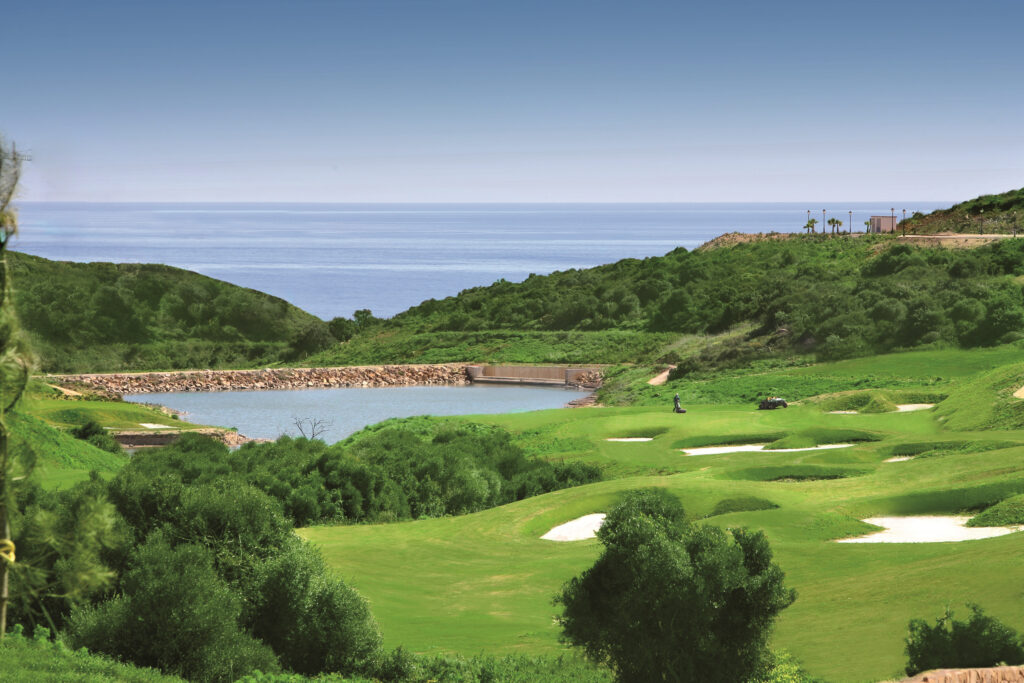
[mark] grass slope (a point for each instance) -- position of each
(60, 459)
(102, 317)
(835, 297)
(43, 661)
(484, 582)
(990, 213)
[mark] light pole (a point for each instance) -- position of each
(850, 229)
(904, 223)
(892, 223)
(823, 221)
(809, 219)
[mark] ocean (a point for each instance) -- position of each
(332, 259)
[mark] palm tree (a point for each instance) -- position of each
(811, 222)
(839, 226)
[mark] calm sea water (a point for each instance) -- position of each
(333, 259)
(269, 414)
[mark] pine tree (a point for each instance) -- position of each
(14, 368)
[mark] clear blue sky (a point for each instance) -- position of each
(514, 100)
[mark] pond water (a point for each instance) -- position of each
(269, 414)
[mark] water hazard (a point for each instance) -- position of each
(269, 414)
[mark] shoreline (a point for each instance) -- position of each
(124, 383)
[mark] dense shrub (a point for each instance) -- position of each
(94, 433)
(981, 641)
(175, 613)
(666, 595)
(105, 316)
(313, 621)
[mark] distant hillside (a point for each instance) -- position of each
(987, 214)
(831, 296)
(97, 317)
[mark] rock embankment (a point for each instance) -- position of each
(270, 378)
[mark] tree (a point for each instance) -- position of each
(312, 427)
(809, 225)
(672, 601)
(981, 641)
(14, 368)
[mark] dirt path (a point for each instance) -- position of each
(660, 378)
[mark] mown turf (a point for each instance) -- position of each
(60, 459)
(484, 582)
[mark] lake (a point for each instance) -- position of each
(269, 414)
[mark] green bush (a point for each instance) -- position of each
(666, 595)
(173, 613)
(981, 641)
(94, 433)
(313, 621)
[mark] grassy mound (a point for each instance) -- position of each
(874, 401)
(741, 504)
(809, 438)
(795, 473)
(986, 402)
(44, 661)
(1004, 513)
(54, 449)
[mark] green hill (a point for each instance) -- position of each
(106, 317)
(987, 214)
(834, 297)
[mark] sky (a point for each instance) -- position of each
(513, 100)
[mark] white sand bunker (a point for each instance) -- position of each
(578, 529)
(154, 425)
(631, 439)
(899, 458)
(1019, 393)
(842, 412)
(911, 407)
(759, 448)
(927, 530)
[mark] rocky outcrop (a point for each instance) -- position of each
(270, 378)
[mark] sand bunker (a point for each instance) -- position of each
(911, 407)
(578, 529)
(153, 425)
(899, 458)
(927, 530)
(1019, 393)
(842, 412)
(632, 438)
(759, 448)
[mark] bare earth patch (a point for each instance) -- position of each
(927, 529)
(911, 407)
(1019, 393)
(758, 448)
(579, 529)
(660, 378)
(632, 438)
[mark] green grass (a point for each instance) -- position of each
(66, 414)
(44, 661)
(484, 582)
(60, 459)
